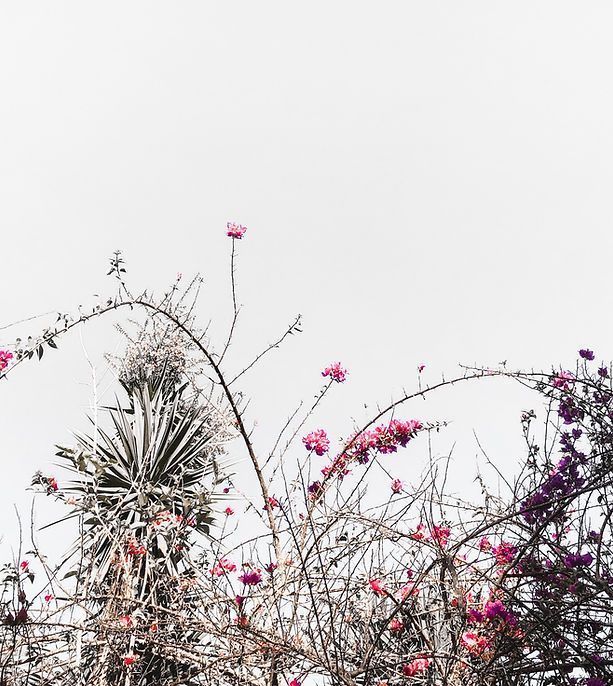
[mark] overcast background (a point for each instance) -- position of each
(423, 181)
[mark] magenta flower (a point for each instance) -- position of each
(396, 486)
(235, 230)
(504, 553)
(251, 577)
(317, 441)
(336, 372)
(5, 358)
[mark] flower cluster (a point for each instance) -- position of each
(336, 372)
(235, 230)
(5, 358)
(317, 441)
(384, 439)
(224, 565)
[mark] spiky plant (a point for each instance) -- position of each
(143, 487)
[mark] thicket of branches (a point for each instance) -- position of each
(323, 580)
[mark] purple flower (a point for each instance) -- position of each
(603, 372)
(586, 354)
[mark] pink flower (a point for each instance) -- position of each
(25, 565)
(229, 511)
(440, 534)
(294, 682)
(475, 643)
(235, 230)
(126, 621)
(272, 503)
(484, 544)
(222, 567)
(562, 379)
(251, 578)
(418, 665)
(48, 598)
(504, 553)
(396, 625)
(407, 590)
(239, 600)
(335, 372)
(396, 486)
(5, 358)
(377, 587)
(270, 567)
(418, 534)
(52, 482)
(317, 441)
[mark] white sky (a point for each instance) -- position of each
(424, 181)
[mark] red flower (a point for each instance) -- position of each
(377, 587)
(48, 598)
(229, 511)
(24, 565)
(396, 625)
(129, 660)
(418, 665)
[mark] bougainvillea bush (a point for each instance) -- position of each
(323, 578)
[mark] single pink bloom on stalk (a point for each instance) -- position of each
(25, 565)
(251, 578)
(294, 682)
(396, 486)
(417, 666)
(235, 230)
(317, 441)
(48, 598)
(272, 503)
(51, 480)
(5, 358)
(377, 587)
(336, 372)
(229, 511)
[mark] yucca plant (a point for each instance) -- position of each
(144, 489)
